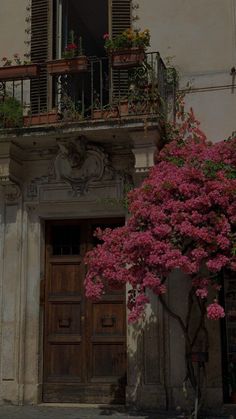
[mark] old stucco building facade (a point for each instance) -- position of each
(73, 174)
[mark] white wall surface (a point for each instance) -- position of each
(200, 35)
(199, 38)
(12, 27)
(214, 102)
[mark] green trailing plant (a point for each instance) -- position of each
(144, 93)
(11, 113)
(16, 60)
(71, 111)
(96, 101)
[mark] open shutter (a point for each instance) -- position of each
(120, 16)
(39, 53)
(120, 21)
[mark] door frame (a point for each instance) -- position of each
(109, 219)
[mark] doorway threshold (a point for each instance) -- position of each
(84, 405)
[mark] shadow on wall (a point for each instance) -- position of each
(146, 381)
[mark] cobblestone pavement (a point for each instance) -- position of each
(45, 412)
(53, 412)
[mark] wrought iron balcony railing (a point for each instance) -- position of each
(98, 92)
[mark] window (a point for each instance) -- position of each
(87, 20)
(52, 23)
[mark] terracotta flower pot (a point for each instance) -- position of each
(124, 107)
(127, 58)
(110, 113)
(105, 114)
(17, 72)
(41, 119)
(97, 114)
(68, 65)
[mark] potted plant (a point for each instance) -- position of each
(16, 69)
(73, 60)
(127, 49)
(108, 111)
(232, 381)
(97, 110)
(11, 113)
(70, 110)
(97, 113)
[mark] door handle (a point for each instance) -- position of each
(108, 321)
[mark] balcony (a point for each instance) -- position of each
(92, 94)
(119, 110)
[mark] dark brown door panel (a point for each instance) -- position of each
(84, 342)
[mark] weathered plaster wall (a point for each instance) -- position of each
(198, 35)
(214, 100)
(13, 25)
(177, 295)
(199, 39)
(32, 253)
(11, 307)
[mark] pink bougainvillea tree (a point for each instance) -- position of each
(183, 217)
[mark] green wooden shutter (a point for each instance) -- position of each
(120, 21)
(39, 52)
(120, 16)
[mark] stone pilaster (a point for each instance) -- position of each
(11, 302)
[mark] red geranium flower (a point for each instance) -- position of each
(71, 46)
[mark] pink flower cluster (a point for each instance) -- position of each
(183, 216)
(215, 311)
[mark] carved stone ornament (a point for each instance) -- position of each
(12, 192)
(79, 164)
(32, 189)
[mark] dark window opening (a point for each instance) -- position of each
(87, 20)
(66, 240)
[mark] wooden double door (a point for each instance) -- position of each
(84, 342)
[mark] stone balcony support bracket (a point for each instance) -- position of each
(11, 173)
(144, 148)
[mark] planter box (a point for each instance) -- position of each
(41, 119)
(68, 65)
(10, 124)
(127, 58)
(105, 114)
(18, 72)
